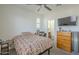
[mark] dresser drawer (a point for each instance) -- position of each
(59, 37)
(67, 42)
(67, 49)
(59, 42)
(59, 33)
(66, 34)
(59, 45)
(66, 45)
(67, 38)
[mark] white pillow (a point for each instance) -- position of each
(26, 33)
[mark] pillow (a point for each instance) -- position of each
(26, 33)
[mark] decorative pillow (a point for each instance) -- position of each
(26, 33)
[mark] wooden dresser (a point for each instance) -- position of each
(64, 41)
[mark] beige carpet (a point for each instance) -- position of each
(56, 51)
(53, 51)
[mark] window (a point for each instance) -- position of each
(38, 23)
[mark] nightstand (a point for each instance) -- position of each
(4, 48)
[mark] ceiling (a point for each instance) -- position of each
(54, 7)
(33, 8)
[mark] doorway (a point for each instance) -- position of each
(51, 29)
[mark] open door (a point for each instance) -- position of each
(51, 29)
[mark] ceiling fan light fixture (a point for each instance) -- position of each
(43, 5)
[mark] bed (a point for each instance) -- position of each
(30, 44)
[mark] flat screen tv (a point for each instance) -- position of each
(67, 21)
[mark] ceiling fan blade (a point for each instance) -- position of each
(47, 8)
(39, 7)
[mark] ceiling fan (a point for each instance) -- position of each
(46, 6)
(43, 5)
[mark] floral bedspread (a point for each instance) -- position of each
(31, 44)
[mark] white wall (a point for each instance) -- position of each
(14, 20)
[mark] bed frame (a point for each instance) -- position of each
(45, 51)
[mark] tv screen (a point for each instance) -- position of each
(67, 21)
